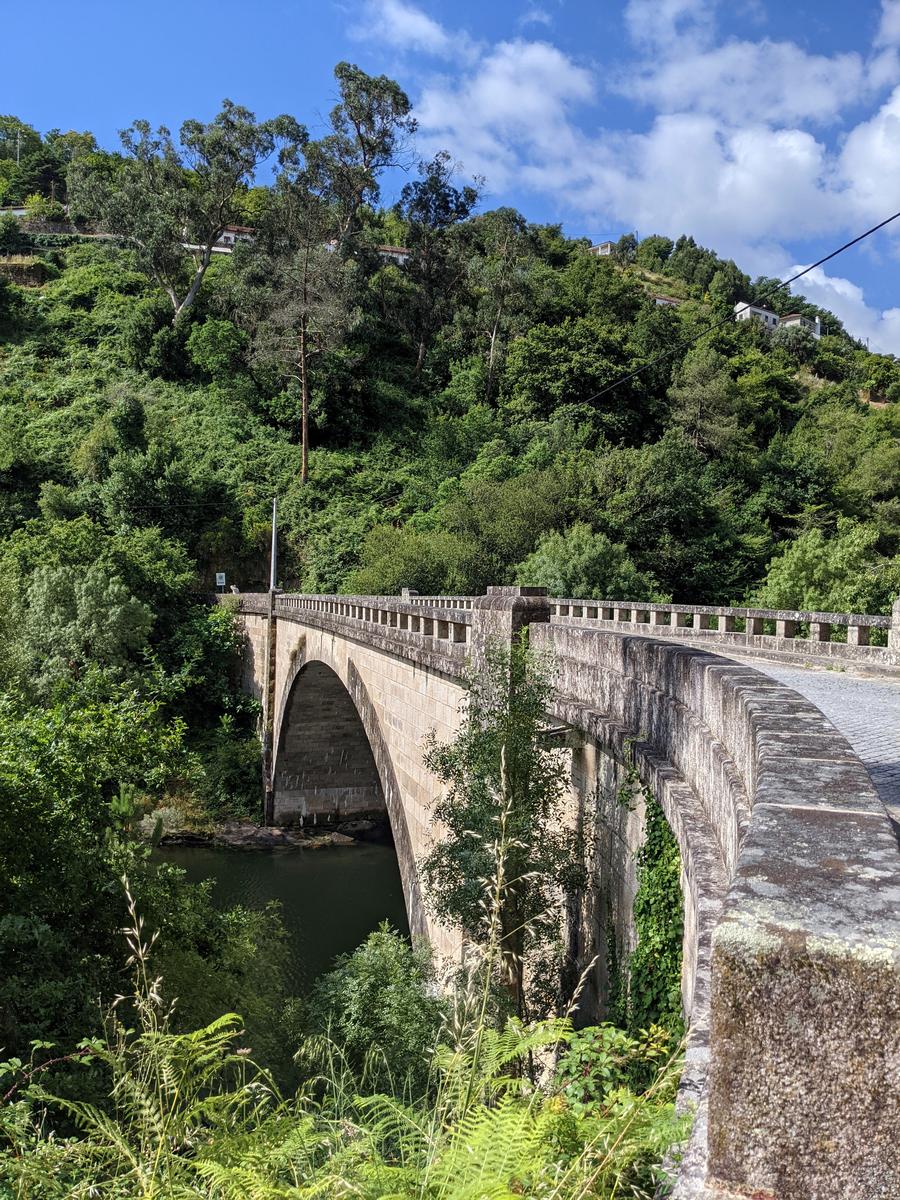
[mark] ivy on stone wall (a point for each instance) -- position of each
(647, 988)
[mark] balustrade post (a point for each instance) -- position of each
(894, 632)
(499, 616)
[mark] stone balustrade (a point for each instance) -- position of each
(787, 631)
(439, 624)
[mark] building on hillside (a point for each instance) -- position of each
(666, 301)
(798, 321)
(756, 312)
(771, 321)
(227, 239)
(602, 249)
(396, 254)
(231, 235)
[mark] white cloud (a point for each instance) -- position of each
(728, 156)
(773, 82)
(407, 27)
(870, 162)
(889, 28)
(661, 23)
(510, 112)
(534, 15)
(847, 301)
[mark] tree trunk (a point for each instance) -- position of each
(304, 404)
(492, 355)
(420, 359)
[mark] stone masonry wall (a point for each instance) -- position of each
(792, 884)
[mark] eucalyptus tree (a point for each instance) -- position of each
(172, 202)
(500, 283)
(368, 132)
(299, 280)
(433, 208)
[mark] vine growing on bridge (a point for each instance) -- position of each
(646, 988)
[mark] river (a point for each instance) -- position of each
(331, 899)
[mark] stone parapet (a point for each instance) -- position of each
(804, 991)
(780, 632)
(791, 869)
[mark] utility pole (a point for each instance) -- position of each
(273, 560)
(268, 698)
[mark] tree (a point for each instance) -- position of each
(625, 249)
(368, 130)
(502, 812)
(705, 402)
(17, 140)
(569, 363)
(172, 204)
(838, 572)
(796, 341)
(500, 283)
(378, 1005)
(75, 619)
(296, 289)
(432, 207)
(653, 252)
(580, 563)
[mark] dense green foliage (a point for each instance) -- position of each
(455, 433)
(190, 1115)
(501, 781)
(375, 1005)
(647, 989)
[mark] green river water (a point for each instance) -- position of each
(330, 898)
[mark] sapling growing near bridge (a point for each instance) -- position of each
(501, 768)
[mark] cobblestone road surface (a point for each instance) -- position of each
(866, 709)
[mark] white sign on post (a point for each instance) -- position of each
(220, 578)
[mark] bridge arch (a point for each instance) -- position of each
(332, 762)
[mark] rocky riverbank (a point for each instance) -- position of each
(243, 835)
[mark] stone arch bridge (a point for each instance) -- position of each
(790, 861)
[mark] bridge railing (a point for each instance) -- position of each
(783, 630)
(865, 637)
(439, 622)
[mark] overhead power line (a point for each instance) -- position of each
(727, 320)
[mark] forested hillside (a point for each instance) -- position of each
(442, 398)
(456, 438)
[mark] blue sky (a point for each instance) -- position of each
(769, 131)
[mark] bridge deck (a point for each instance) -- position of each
(865, 708)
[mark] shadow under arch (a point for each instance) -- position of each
(331, 758)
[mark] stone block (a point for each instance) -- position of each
(804, 1088)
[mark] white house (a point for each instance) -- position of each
(396, 254)
(798, 321)
(666, 301)
(602, 249)
(771, 321)
(231, 235)
(756, 312)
